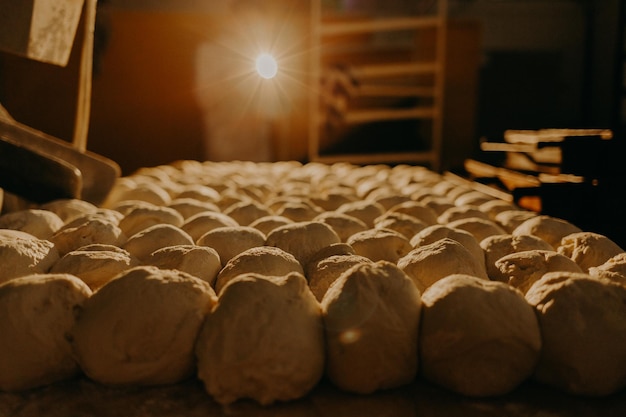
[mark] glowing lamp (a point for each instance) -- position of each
(266, 66)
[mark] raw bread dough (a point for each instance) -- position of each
(478, 337)
(497, 246)
(142, 244)
(461, 212)
(69, 208)
(614, 269)
(588, 249)
(248, 348)
(189, 207)
(343, 224)
(550, 229)
(416, 209)
(583, 326)
(40, 223)
(23, 254)
(323, 272)
(140, 218)
(245, 212)
(371, 322)
(200, 261)
(229, 241)
(479, 227)
(140, 328)
(95, 264)
(405, 224)
(510, 219)
(96, 230)
(437, 232)
(36, 314)
(364, 210)
(262, 260)
(303, 240)
(380, 245)
(202, 223)
(522, 269)
(266, 224)
(429, 263)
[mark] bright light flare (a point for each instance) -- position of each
(266, 66)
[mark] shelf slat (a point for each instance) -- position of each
(364, 116)
(393, 70)
(378, 25)
(417, 157)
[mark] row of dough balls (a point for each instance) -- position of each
(252, 232)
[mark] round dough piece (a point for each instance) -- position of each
(69, 208)
(96, 230)
(200, 261)
(405, 224)
(204, 222)
(497, 246)
(522, 269)
(614, 269)
(303, 240)
(437, 232)
(266, 224)
(479, 227)
(247, 348)
(496, 206)
(550, 229)
(380, 245)
(322, 273)
(95, 265)
(245, 212)
(371, 321)
(40, 223)
(343, 224)
(140, 328)
(142, 244)
(416, 209)
(429, 263)
(583, 326)
(588, 249)
(262, 260)
(510, 219)
(140, 218)
(298, 211)
(36, 314)
(478, 338)
(189, 207)
(230, 241)
(461, 212)
(364, 210)
(23, 254)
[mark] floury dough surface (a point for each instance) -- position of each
(371, 320)
(140, 328)
(263, 341)
(23, 254)
(36, 314)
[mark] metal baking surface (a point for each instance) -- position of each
(82, 397)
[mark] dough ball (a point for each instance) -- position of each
(200, 261)
(199, 192)
(473, 198)
(262, 260)
(389, 199)
(298, 211)
(461, 212)
(343, 224)
(322, 273)
(496, 206)
(23, 254)
(614, 269)
(140, 328)
(247, 348)
(583, 326)
(429, 263)
(478, 338)
(40, 223)
(510, 219)
(69, 208)
(303, 240)
(188, 207)
(550, 229)
(405, 224)
(36, 315)
(366, 211)
(334, 198)
(111, 216)
(140, 218)
(416, 209)
(204, 222)
(142, 244)
(522, 269)
(437, 232)
(330, 250)
(497, 246)
(95, 265)
(231, 241)
(245, 212)
(480, 228)
(588, 249)
(380, 245)
(266, 224)
(146, 190)
(371, 321)
(70, 237)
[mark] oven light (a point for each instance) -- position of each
(266, 66)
